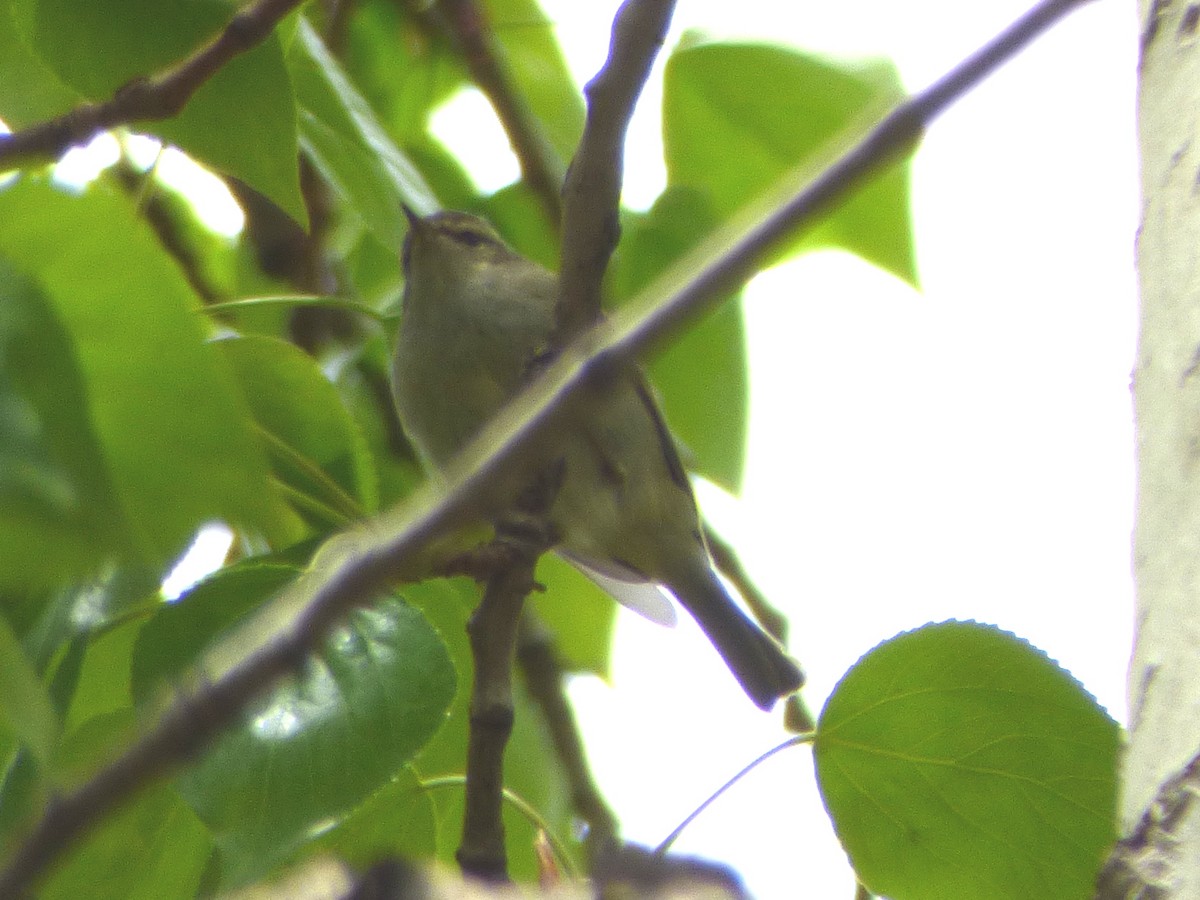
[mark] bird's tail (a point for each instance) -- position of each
(761, 667)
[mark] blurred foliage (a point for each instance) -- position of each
(136, 406)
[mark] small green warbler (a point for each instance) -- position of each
(475, 314)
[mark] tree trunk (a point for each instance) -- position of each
(1164, 677)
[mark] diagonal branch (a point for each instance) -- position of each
(189, 726)
(148, 98)
(721, 266)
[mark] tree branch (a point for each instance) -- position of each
(493, 633)
(522, 536)
(541, 167)
(189, 726)
(720, 266)
(592, 193)
(162, 215)
(148, 98)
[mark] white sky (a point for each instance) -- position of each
(961, 452)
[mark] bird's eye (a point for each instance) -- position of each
(471, 238)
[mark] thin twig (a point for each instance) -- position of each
(670, 839)
(594, 183)
(541, 167)
(562, 856)
(163, 217)
(189, 726)
(148, 98)
(493, 632)
(592, 193)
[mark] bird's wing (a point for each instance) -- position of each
(627, 587)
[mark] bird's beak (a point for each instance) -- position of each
(413, 218)
(416, 229)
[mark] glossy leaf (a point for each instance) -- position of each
(398, 820)
(957, 761)
(178, 445)
(174, 639)
(324, 742)
(47, 622)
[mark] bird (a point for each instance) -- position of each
(474, 315)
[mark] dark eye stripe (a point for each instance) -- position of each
(471, 238)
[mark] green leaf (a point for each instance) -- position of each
(23, 789)
(98, 47)
(242, 121)
(54, 484)
(365, 389)
(579, 615)
(25, 707)
(519, 215)
(538, 70)
(397, 821)
(102, 687)
(348, 144)
(957, 761)
(323, 743)
(319, 449)
(47, 622)
(383, 39)
(171, 425)
(29, 90)
(174, 639)
(152, 849)
(701, 378)
(739, 117)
